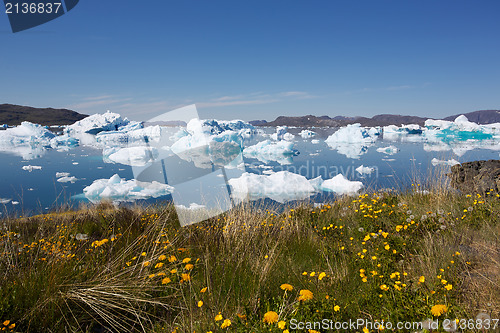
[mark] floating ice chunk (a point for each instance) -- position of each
(315, 141)
(75, 163)
(391, 150)
(267, 151)
(67, 179)
(118, 189)
(26, 133)
(15, 202)
(362, 170)
(451, 162)
(4, 201)
(353, 133)
(306, 134)
(96, 123)
(341, 185)
(133, 156)
(280, 132)
(62, 174)
(280, 186)
(351, 140)
(31, 167)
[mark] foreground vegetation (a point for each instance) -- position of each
(380, 256)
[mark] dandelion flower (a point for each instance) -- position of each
(173, 271)
(200, 304)
(384, 287)
(336, 308)
(286, 286)
(270, 317)
(166, 281)
(172, 258)
(321, 276)
(159, 265)
(186, 260)
(438, 309)
(203, 290)
(226, 323)
(162, 257)
(218, 317)
(448, 287)
(185, 277)
(305, 295)
(6, 323)
(281, 325)
(11, 326)
(421, 279)
(189, 267)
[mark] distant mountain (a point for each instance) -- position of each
(480, 117)
(15, 114)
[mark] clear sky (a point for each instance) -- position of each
(258, 59)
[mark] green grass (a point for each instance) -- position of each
(103, 269)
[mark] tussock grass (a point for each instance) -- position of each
(379, 256)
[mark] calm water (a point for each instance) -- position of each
(39, 191)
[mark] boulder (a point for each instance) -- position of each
(477, 176)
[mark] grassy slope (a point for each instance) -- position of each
(361, 257)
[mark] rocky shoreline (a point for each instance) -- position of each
(477, 176)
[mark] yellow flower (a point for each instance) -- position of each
(11, 326)
(145, 264)
(399, 227)
(286, 331)
(162, 257)
(305, 273)
(336, 308)
(186, 260)
(281, 325)
(438, 309)
(448, 287)
(305, 295)
(384, 287)
(172, 258)
(226, 323)
(203, 290)
(218, 317)
(159, 265)
(189, 267)
(6, 323)
(286, 286)
(312, 331)
(387, 247)
(143, 254)
(185, 277)
(270, 317)
(321, 276)
(421, 279)
(173, 271)
(165, 280)
(312, 274)
(365, 330)
(200, 304)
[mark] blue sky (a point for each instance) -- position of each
(259, 59)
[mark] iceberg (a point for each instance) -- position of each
(281, 186)
(306, 134)
(4, 201)
(315, 141)
(121, 190)
(266, 151)
(67, 179)
(459, 130)
(26, 133)
(362, 170)
(352, 140)
(31, 167)
(282, 134)
(62, 174)
(341, 185)
(391, 150)
(133, 156)
(96, 123)
(451, 162)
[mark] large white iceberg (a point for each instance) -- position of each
(266, 151)
(341, 185)
(26, 133)
(306, 134)
(121, 190)
(96, 123)
(352, 140)
(31, 167)
(460, 130)
(280, 186)
(133, 156)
